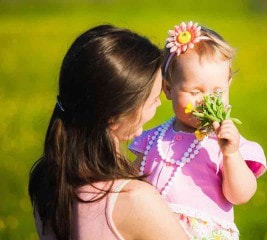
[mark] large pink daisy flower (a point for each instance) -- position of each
(183, 37)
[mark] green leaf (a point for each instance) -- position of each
(228, 112)
(212, 118)
(236, 120)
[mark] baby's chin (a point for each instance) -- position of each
(193, 124)
(187, 126)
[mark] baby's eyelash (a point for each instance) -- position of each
(194, 93)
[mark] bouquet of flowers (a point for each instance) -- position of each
(211, 109)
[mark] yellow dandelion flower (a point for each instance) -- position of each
(189, 108)
(200, 135)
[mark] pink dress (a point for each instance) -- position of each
(93, 220)
(195, 193)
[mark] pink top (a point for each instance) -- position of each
(93, 220)
(196, 190)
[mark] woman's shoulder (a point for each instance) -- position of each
(137, 195)
(139, 192)
(139, 209)
(140, 198)
(139, 187)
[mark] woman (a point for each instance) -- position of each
(83, 187)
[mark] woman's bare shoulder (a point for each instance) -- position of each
(139, 209)
(136, 187)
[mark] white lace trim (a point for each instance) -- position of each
(191, 212)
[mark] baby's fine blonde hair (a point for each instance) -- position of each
(214, 46)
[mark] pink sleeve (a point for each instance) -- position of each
(138, 145)
(254, 156)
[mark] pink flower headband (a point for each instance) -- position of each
(181, 38)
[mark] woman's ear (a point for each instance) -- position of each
(113, 124)
(166, 86)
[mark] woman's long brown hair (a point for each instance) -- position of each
(107, 72)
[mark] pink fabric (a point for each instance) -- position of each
(94, 220)
(198, 185)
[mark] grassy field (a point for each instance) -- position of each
(34, 36)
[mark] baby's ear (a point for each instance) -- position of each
(166, 86)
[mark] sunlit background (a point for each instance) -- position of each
(34, 36)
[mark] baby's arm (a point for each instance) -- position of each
(239, 183)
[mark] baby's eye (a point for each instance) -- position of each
(195, 93)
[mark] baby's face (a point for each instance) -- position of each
(193, 79)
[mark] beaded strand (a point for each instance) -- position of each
(188, 156)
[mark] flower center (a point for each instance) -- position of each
(184, 37)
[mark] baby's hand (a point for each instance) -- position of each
(228, 136)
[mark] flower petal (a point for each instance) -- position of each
(170, 39)
(173, 49)
(170, 45)
(171, 33)
(179, 41)
(188, 108)
(189, 25)
(184, 48)
(183, 26)
(190, 45)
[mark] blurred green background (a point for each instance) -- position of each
(34, 36)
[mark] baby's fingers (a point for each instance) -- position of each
(228, 136)
(228, 131)
(217, 128)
